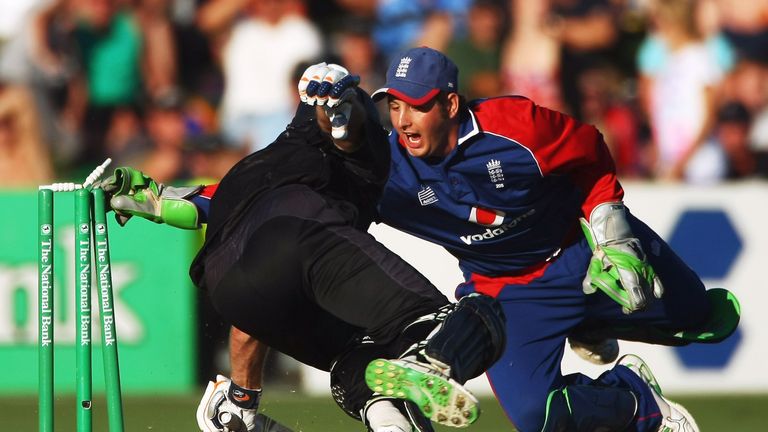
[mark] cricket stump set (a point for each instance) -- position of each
(91, 245)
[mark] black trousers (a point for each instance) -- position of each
(300, 278)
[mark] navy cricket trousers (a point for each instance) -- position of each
(542, 313)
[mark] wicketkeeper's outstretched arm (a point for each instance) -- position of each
(133, 193)
(619, 266)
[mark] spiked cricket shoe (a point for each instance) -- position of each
(676, 417)
(441, 399)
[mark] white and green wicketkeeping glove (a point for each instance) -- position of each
(618, 266)
(132, 193)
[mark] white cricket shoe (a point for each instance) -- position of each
(391, 428)
(600, 353)
(383, 414)
(676, 417)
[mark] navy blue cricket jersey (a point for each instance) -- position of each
(509, 195)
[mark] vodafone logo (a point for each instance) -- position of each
(492, 218)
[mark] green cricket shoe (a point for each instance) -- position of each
(440, 399)
(676, 417)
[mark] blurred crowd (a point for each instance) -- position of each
(184, 88)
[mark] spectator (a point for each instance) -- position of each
(678, 87)
(732, 136)
(125, 141)
(403, 23)
(708, 22)
(745, 26)
(747, 83)
(198, 73)
(357, 51)
(605, 105)
(157, 138)
(530, 61)
(210, 158)
(121, 69)
(586, 30)
(42, 56)
(13, 17)
(159, 66)
(728, 154)
(168, 135)
(268, 37)
(24, 160)
(477, 54)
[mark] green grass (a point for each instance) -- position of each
(171, 414)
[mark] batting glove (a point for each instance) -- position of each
(132, 193)
(227, 407)
(332, 87)
(618, 266)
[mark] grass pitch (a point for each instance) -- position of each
(742, 413)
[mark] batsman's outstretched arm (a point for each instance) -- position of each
(232, 404)
(246, 358)
(340, 111)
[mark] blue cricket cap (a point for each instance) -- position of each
(418, 75)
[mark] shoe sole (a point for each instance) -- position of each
(441, 399)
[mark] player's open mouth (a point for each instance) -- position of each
(413, 139)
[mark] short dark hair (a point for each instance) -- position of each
(442, 97)
(733, 112)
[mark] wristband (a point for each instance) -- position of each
(243, 397)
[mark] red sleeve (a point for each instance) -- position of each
(209, 191)
(560, 144)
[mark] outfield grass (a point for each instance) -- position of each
(165, 414)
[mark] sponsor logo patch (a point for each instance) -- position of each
(427, 196)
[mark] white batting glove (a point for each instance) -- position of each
(227, 407)
(332, 87)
